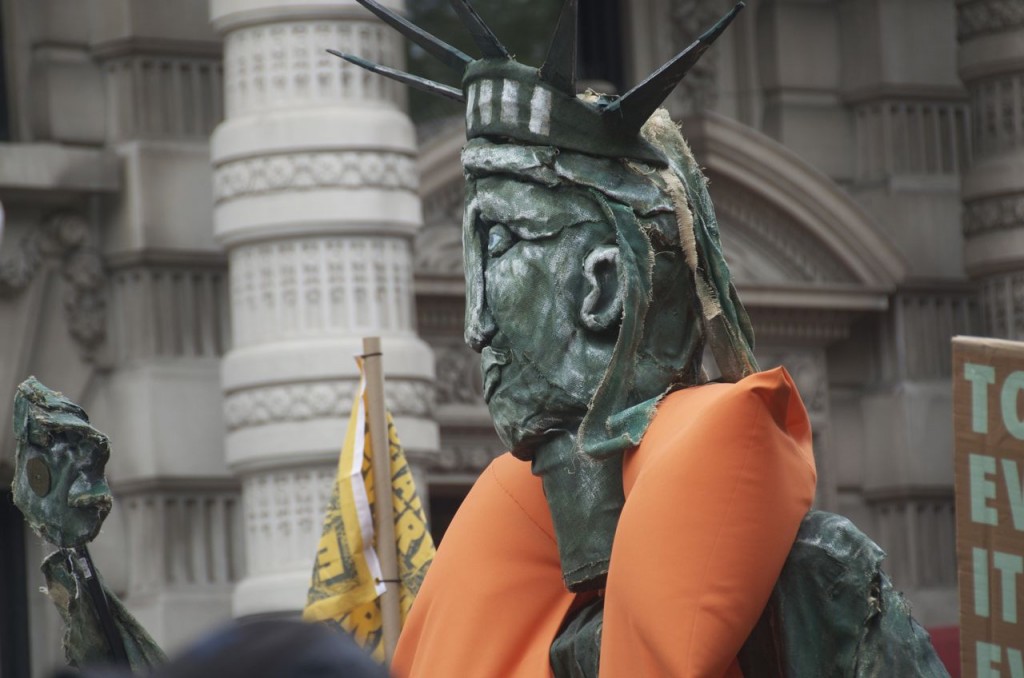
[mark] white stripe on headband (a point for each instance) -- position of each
(509, 96)
(471, 105)
(540, 111)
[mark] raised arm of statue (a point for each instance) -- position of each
(59, 486)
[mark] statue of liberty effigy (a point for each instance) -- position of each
(647, 521)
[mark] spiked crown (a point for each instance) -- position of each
(506, 99)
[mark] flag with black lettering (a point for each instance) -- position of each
(346, 581)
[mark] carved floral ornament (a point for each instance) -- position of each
(976, 17)
(304, 171)
(689, 17)
(63, 240)
(993, 214)
(301, 402)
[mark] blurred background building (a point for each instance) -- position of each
(205, 212)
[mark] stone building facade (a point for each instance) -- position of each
(205, 212)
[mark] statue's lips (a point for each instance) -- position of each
(491, 361)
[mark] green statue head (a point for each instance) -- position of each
(59, 462)
(594, 274)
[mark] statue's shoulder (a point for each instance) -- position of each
(832, 588)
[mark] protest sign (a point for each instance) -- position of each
(988, 419)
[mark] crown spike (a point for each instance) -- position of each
(454, 58)
(423, 84)
(636, 106)
(483, 36)
(559, 69)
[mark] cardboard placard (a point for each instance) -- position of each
(988, 418)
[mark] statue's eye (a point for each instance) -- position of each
(499, 240)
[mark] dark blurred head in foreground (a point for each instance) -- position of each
(263, 649)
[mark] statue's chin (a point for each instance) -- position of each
(78, 528)
(524, 429)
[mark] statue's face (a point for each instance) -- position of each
(60, 486)
(541, 296)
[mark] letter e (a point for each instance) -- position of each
(982, 489)
(987, 655)
(1015, 490)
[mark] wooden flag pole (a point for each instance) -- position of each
(384, 515)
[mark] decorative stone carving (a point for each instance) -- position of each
(171, 310)
(910, 137)
(1002, 305)
(467, 456)
(285, 64)
(927, 320)
(998, 123)
(305, 171)
(443, 206)
(800, 325)
(182, 538)
(314, 286)
(690, 18)
(152, 96)
(777, 234)
(283, 514)
(459, 379)
(63, 238)
(438, 251)
(913, 525)
(319, 400)
(987, 16)
(993, 214)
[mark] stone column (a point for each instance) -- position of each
(991, 63)
(315, 189)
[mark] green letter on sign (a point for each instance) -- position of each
(980, 377)
(988, 655)
(982, 489)
(1013, 385)
(1010, 566)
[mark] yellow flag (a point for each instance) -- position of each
(346, 582)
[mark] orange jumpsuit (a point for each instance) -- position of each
(715, 494)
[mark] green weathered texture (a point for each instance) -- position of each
(85, 643)
(594, 277)
(832, 589)
(59, 484)
(60, 488)
(565, 252)
(833, 614)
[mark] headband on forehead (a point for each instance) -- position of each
(506, 99)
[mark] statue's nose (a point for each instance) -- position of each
(480, 327)
(85, 493)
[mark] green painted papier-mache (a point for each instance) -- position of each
(833, 614)
(60, 488)
(594, 280)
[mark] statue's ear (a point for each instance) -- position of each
(602, 306)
